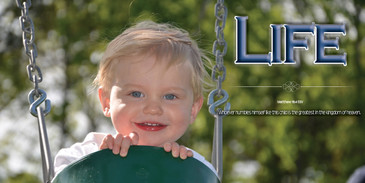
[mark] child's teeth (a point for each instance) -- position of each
(151, 124)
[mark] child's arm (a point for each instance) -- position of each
(120, 145)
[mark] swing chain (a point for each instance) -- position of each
(33, 70)
(36, 96)
(219, 70)
(219, 75)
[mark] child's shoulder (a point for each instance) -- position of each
(94, 137)
(73, 153)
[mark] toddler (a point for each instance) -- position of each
(150, 82)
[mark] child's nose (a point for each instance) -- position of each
(153, 107)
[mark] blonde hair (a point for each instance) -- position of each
(163, 41)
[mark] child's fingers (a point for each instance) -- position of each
(126, 143)
(190, 153)
(103, 145)
(183, 152)
(167, 147)
(117, 143)
(134, 137)
(107, 142)
(110, 141)
(175, 149)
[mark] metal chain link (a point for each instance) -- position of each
(219, 70)
(219, 75)
(36, 96)
(33, 70)
(26, 23)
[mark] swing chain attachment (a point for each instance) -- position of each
(33, 70)
(219, 75)
(219, 70)
(36, 96)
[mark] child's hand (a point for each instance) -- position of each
(120, 144)
(177, 150)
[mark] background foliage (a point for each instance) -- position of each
(72, 34)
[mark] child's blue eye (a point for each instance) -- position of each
(170, 97)
(136, 94)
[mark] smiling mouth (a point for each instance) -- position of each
(151, 126)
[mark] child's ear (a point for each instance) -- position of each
(104, 101)
(197, 105)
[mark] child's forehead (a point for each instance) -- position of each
(149, 65)
(147, 71)
(151, 61)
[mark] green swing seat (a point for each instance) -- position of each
(144, 164)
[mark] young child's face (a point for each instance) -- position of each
(153, 100)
